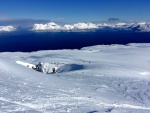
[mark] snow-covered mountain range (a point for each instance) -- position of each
(48, 26)
(141, 27)
(7, 28)
(52, 26)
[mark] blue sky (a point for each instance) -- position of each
(75, 10)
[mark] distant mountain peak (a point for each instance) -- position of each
(80, 26)
(7, 28)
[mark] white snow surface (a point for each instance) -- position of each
(97, 79)
(120, 24)
(85, 26)
(26, 64)
(53, 26)
(101, 25)
(7, 28)
(48, 26)
(68, 27)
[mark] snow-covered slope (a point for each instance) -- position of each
(103, 25)
(68, 27)
(80, 26)
(139, 27)
(53, 26)
(105, 78)
(142, 27)
(85, 26)
(46, 27)
(7, 28)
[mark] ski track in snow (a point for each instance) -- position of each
(95, 80)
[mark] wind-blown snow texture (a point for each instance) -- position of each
(98, 79)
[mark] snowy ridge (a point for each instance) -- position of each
(46, 27)
(85, 26)
(80, 26)
(140, 27)
(102, 79)
(7, 28)
(53, 26)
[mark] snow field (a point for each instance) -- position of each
(98, 79)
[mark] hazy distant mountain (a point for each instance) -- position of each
(7, 28)
(140, 27)
(52, 26)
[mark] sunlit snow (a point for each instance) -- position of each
(48, 26)
(97, 79)
(80, 26)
